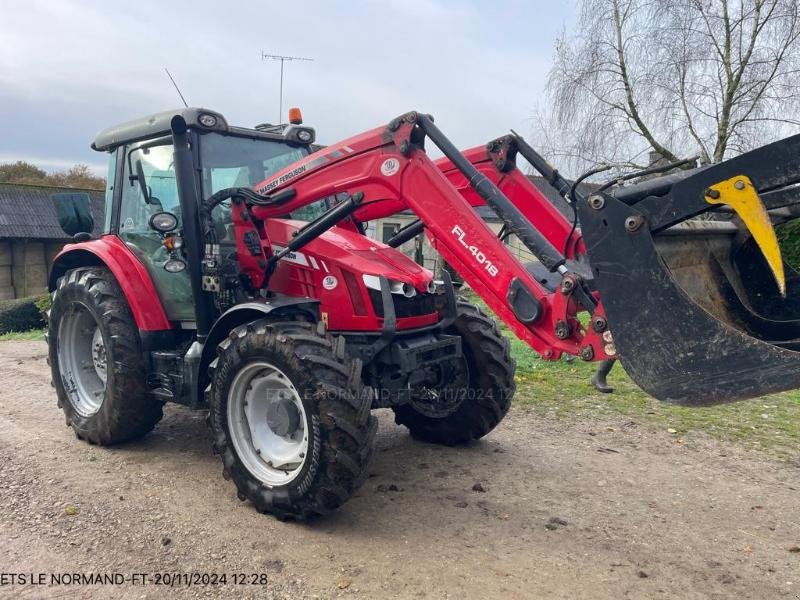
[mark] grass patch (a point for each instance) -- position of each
(14, 336)
(562, 389)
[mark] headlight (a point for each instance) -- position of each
(401, 288)
(174, 265)
(163, 222)
(207, 120)
(305, 136)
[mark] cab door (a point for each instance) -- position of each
(148, 187)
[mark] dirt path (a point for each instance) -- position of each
(646, 517)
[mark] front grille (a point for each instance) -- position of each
(417, 306)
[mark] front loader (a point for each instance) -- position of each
(235, 276)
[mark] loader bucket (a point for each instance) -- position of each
(695, 310)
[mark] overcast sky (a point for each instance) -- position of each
(69, 68)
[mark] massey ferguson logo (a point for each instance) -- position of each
(282, 179)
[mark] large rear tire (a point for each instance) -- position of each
(96, 359)
(474, 394)
(290, 418)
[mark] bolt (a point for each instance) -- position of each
(411, 117)
(597, 202)
(548, 354)
(587, 353)
(599, 324)
(258, 451)
(713, 194)
(567, 286)
(562, 329)
(739, 185)
(633, 223)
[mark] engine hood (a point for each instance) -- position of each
(355, 252)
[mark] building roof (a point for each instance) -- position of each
(27, 211)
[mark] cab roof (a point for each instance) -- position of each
(160, 124)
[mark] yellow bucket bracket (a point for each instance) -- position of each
(740, 194)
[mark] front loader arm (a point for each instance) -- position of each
(496, 161)
(390, 168)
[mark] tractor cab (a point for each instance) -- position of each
(143, 184)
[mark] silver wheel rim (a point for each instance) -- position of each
(267, 423)
(82, 360)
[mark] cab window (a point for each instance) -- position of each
(148, 187)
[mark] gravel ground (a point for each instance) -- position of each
(540, 508)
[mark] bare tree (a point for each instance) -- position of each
(675, 77)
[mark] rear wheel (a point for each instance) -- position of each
(96, 359)
(290, 418)
(469, 396)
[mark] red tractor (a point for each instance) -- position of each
(234, 275)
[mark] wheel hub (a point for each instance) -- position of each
(99, 354)
(443, 390)
(283, 417)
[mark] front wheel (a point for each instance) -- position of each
(290, 418)
(469, 395)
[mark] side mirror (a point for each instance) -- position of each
(74, 211)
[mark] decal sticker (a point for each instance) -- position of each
(297, 258)
(330, 282)
(128, 223)
(390, 166)
(476, 252)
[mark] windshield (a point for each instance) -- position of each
(232, 161)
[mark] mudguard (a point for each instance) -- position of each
(132, 276)
(245, 313)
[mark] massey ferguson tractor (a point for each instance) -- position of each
(234, 275)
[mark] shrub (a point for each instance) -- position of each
(43, 303)
(22, 314)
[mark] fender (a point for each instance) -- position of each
(132, 276)
(245, 313)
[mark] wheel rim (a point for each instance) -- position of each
(82, 360)
(267, 423)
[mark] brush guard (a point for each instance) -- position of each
(696, 313)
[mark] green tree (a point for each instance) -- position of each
(77, 176)
(20, 172)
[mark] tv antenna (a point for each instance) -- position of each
(177, 89)
(283, 59)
